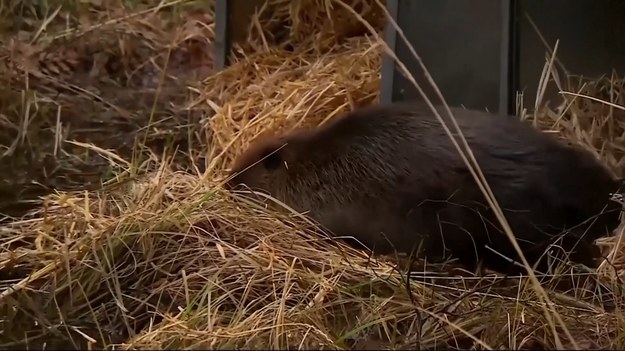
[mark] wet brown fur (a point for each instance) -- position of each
(391, 177)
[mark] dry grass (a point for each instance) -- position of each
(161, 257)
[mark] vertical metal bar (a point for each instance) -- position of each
(388, 63)
(232, 21)
(505, 62)
(514, 49)
(222, 43)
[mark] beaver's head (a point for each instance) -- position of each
(261, 167)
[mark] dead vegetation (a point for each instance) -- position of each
(160, 257)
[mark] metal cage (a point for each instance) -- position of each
(479, 52)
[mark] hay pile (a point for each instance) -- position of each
(163, 258)
(116, 80)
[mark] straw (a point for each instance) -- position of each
(161, 257)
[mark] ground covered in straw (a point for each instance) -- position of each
(115, 137)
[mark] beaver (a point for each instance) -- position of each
(389, 176)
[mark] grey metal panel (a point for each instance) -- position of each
(460, 42)
(590, 34)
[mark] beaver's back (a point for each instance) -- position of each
(542, 185)
(514, 156)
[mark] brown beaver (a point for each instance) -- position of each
(390, 177)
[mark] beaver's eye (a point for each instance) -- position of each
(271, 159)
